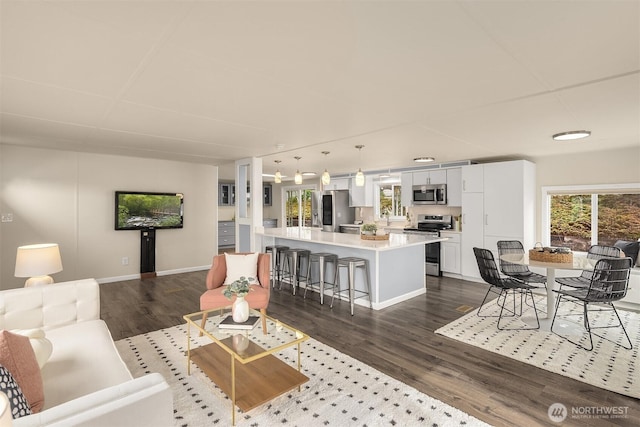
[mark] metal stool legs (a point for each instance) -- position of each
(322, 258)
(276, 262)
(351, 263)
(292, 261)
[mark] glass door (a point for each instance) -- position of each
(298, 207)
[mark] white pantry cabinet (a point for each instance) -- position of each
(454, 187)
(503, 210)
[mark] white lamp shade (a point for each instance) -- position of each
(297, 177)
(359, 178)
(38, 260)
(278, 177)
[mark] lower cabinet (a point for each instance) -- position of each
(450, 253)
(226, 233)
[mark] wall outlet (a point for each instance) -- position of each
(125, 260)
(7, 217)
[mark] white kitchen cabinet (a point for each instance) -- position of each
(450, 253)
(503, 209)
(454, 187)
(473, 179)
(472, 232)
(361, 196)
(430, 177)
(338, 184)
(406, 182)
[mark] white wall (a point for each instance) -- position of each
(600, 167)
(68, 198)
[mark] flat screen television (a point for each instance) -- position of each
(136, 210)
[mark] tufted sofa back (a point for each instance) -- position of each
(50, 306)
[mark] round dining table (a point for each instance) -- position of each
(580, 262)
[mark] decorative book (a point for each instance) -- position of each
(228, 323)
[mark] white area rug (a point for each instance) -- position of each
(341, 391)
(608, 366)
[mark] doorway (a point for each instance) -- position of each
(297, 206)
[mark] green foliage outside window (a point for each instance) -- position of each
(572, 219)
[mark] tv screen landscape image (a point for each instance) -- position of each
(144, 210)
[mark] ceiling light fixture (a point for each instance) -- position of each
(359, 174)
(278, 176)
(298, 176)
(574, 134)
(326, 178)
(424, 159)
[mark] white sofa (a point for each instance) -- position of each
(86, 383)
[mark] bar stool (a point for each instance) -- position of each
(322, 258)
(292, 261)
(351, 263)
(276, 261)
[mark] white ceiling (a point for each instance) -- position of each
(214, 81)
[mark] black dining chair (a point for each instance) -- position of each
(609, 283)
(503, 286)
(595, 252)
(517, 271)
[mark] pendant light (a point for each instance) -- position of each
(359, 175)
(298, 176)
(326, 178)
(278, 175)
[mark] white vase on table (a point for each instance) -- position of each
(240, 310)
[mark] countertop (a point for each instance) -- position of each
(315, 235)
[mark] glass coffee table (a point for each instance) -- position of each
(243, 362)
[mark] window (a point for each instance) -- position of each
(298, 207)
(389, 200)
(591, 215)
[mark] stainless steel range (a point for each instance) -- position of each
(430, 225)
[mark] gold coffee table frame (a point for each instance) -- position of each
(242, 362)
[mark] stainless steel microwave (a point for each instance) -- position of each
(430, 194)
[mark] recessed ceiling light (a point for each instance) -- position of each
(574, 134)
(423, 159)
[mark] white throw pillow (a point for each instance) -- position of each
(241, 265)
(42, 347)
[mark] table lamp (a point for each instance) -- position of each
(37, 262)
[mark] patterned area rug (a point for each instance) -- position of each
(608, 366)
(341, 391)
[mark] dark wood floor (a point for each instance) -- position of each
(399, 341)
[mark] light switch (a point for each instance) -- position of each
(7, 217)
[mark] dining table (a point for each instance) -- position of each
(580, 262)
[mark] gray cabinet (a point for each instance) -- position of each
(226, 194)
(226, 233)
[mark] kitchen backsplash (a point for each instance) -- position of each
(367, 214)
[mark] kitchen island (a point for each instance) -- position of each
(397, 265)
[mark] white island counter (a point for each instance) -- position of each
(397, 265)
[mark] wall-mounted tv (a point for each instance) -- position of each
(136, 210)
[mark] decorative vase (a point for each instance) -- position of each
(240, 310)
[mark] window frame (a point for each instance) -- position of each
(394, 180)
(548, 191)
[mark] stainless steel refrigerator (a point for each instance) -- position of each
(330, 209)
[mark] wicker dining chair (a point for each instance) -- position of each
(609, 283)
(595, 252)
(517, 271)
(503, 286)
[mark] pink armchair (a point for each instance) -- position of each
(258, 297)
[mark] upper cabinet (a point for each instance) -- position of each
(361, 196)
(473, 179)
(454, 187)
(267, 195)
(338, 184)
(406, 181)
(430, 177)
(226, 194)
